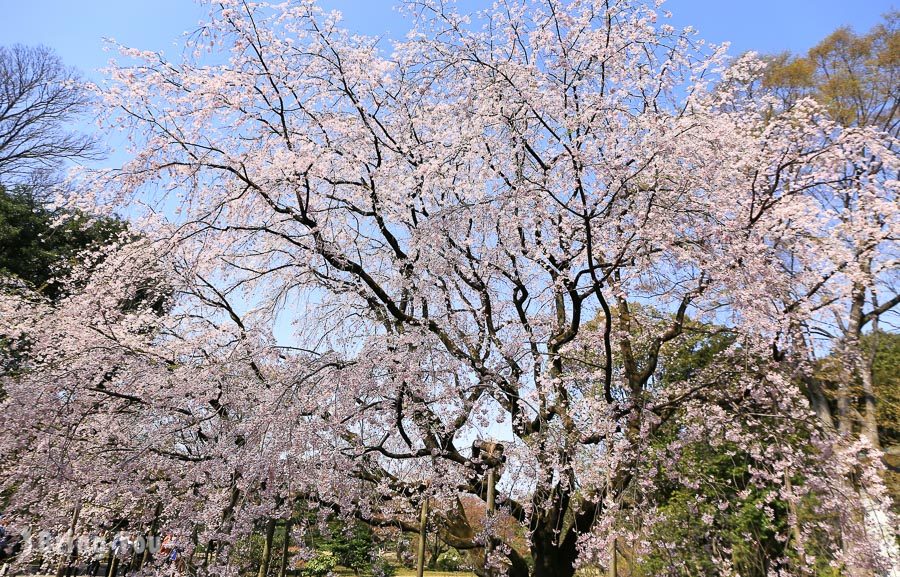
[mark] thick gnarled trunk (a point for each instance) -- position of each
(551, 557)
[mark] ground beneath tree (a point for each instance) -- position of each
(403, 572)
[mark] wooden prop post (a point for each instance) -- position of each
(423, 525)
(68, 558)
(490, 453)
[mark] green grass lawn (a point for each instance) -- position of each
(404, 572)
(411, 573)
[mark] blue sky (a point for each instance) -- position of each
(75, 28)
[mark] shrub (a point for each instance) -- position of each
(450, 560)
(319, 566)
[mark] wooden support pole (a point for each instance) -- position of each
(613, 560)
(67, 558)
(423, 525)
(113, 567)
(207, 556)
(267, 548)
(491, 490)
(490, 453)
(154, 529)
(282, 571)
(195, 544)
(491, 497)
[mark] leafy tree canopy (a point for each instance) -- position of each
(40, 246)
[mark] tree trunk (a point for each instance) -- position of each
(267, 548)
(870, 414)
(814, 392)
(282, 571)
(551, 564)
(859, 366)
(436, 551)
(553, 559)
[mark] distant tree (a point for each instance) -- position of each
(854, 76)
(884, 350)
(692, 531)
(38, 255)
(40, 252)
(353, 547)
(39, 96)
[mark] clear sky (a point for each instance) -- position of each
(75, 28)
